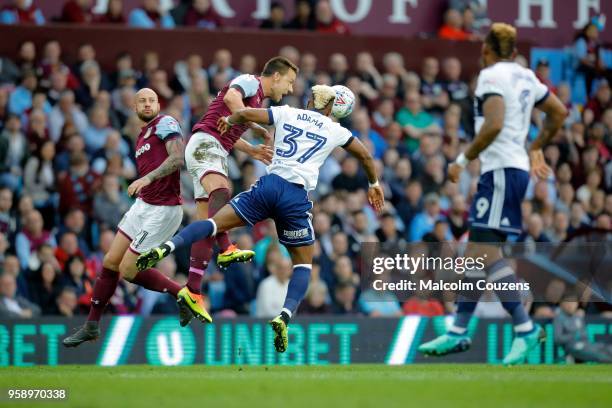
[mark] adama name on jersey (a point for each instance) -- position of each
(310, 119)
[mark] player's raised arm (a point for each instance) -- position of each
(244, 115)
(556, 113)
(375, 192)
(260, 152)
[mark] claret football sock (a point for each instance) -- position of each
(103, 290)
(216, 200)
(154, 280)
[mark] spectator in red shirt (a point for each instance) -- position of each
(599, 103)
(543, 74)
(67, 248)
(452, 29)
(326, 21)
(52, 62)
(421, 304)
(202, 15)
(77, 188)
(114, 13)
(20, 12)
(77, 11)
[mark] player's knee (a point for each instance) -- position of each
(127, 270)
(111, 262)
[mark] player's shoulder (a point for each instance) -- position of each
(245, 78)
(167, 125)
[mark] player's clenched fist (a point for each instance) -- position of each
(138, 185)
(223, 124)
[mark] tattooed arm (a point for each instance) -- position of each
(175, 148)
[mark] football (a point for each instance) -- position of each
(345, 100)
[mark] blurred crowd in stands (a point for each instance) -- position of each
(67, 136)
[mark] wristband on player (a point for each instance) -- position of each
(462, 160)
(375, 184)
(228, 121)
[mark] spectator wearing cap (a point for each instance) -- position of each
(424, 221)
(326, 21)
(150, 15)
(22, 12)
(201, 14)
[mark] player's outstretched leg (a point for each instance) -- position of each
(188, 235)
(229, 252)
(298, 285)
(234, 254)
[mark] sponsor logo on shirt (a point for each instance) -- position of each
(142, 149)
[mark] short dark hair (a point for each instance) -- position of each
(280, 65)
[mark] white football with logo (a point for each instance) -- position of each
(344, 103)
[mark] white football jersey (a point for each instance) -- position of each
(521, 90)
(302, 141)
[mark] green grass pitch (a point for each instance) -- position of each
(423, 386)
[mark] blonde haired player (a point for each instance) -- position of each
(506, 94)
(303, 140)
